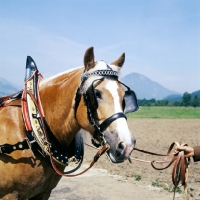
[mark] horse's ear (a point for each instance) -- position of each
(120, 61)
(89, 58)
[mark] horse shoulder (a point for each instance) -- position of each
(12, 128)
(22, 168)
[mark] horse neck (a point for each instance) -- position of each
(58, 98)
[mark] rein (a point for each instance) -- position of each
(99, 153)
(180, 168)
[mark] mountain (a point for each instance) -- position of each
(7, 87)
(179, 97)
(146, 88)
(195, 93)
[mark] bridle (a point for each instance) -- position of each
(91, 103)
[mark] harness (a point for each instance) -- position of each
(39, 135)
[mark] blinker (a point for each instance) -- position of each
(92, 98)
(129, 103)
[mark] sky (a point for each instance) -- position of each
(161, 38)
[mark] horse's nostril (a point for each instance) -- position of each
(121, 146)
(120, 149)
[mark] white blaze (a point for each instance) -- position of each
(122, 126)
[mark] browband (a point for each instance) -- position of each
(107, 72)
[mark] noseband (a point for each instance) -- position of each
(98, 138)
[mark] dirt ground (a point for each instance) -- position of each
(138, 180)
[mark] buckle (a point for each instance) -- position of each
(29, 142)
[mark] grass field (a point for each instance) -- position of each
(166, 112)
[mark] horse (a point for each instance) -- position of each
(89, 97)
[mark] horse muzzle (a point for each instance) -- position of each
(122, 152)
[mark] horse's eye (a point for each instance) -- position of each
(98, 94)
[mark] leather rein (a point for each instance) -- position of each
(179, 170)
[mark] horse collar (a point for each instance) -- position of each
(38, 132)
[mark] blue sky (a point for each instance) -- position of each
(161, 38)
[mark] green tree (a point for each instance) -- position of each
(186, 99)
(177, 103)
(162, 102)
(195, 101)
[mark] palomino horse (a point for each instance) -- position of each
(89, 97)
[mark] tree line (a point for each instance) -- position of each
(186, 101)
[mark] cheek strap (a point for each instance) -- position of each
(103, 126)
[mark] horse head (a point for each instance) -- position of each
(103, 100)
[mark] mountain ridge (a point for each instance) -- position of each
(145, 88)
(171, 98)
(7, 87)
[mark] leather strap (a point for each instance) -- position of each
(100, 152)
(3, 100)
(9, 148)
(180, 168)
(103, 126)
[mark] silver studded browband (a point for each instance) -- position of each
(100, 73)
